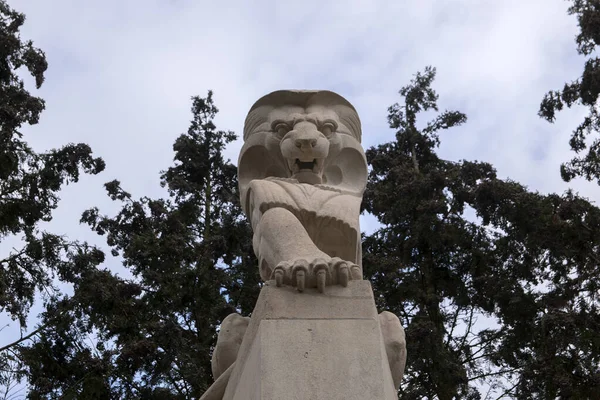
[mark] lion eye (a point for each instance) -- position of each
(328, 128)
(281, 128)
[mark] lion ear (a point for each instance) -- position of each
(347, 169)
(260, 157)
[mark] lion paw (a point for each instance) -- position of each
(318, 273)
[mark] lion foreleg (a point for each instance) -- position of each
(288, 255)
(280, 237)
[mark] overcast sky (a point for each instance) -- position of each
(121, 74)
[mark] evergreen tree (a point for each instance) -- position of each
(29, 186)
(426, 260)
(192, 264)
(530, 265)
(584, 91)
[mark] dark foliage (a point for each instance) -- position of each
(528, 266)
(29, 181)
(29, 186)
(191, 264)
(584, 92)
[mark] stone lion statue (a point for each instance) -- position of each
(302, 172)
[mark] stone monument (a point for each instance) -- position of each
(315, 332)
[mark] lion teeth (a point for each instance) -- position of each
(305, 165)
(296, 165)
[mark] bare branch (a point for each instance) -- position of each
(23, 338)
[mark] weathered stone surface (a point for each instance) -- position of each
(394, 342)
(317, 359)
(313, 346)
(229, 341)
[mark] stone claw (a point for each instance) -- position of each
(300, 280)
(315, 273)
(299, 273)
(342, 271)
(321, 280)
(356, 272)
(343, 274)
(320, 270)
(278, 274)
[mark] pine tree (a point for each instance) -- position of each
(192, 264)
(584, 92)
(529, 264)
(29, 187)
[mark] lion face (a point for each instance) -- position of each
(306, 137)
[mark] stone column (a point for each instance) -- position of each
(313, 346)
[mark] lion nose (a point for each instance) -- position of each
(307, 143)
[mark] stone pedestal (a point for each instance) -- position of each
(311, 345)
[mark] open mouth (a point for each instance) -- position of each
(306, 164)
(298, 165)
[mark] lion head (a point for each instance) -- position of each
(310, 136)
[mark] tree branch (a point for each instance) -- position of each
(23, 338)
